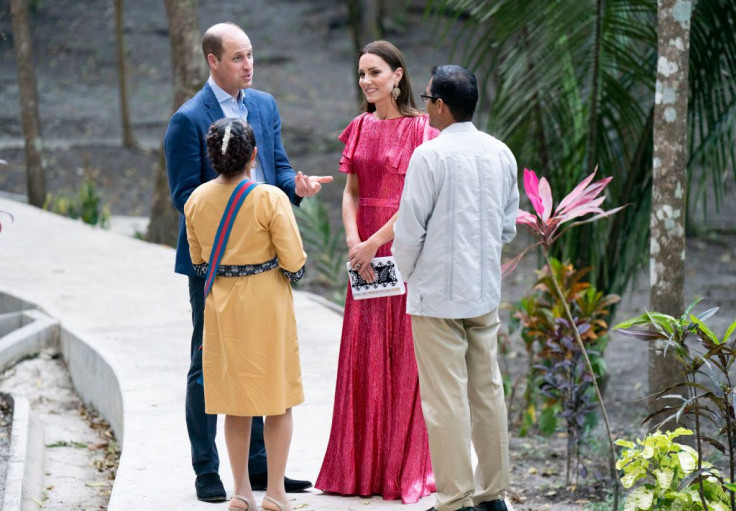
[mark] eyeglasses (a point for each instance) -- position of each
(427, 97)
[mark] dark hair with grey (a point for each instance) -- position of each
(230, 158)
(458, 88)
(393, 57)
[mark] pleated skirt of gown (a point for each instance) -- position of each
(378, 443)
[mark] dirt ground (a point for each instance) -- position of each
(303, 56)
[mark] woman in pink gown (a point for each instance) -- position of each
(378, 443)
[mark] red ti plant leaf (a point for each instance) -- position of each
(585, 199)
(531, 186)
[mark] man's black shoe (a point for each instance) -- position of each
(259, 481)
(209, 488)
(458, 509)
(492, 505)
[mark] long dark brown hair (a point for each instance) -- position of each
(393, 57)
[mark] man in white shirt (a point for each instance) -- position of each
(457, 209)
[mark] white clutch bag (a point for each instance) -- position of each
(388, 280)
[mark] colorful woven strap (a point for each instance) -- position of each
(223, 231)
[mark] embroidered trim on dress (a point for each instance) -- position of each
(243, 270)
(293, 276)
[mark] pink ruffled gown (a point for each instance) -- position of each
(378, 444)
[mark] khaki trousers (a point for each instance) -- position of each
(462, 400)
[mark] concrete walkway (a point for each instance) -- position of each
(126, 325)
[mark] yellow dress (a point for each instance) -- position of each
(250, 356)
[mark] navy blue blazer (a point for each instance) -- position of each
(187, 163)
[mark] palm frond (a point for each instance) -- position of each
(562, 94)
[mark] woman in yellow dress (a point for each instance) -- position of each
(250, 350)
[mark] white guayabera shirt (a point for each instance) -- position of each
(457, 209)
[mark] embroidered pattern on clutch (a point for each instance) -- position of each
(388, 280)
(385, 276)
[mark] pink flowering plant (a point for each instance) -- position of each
(547, 224)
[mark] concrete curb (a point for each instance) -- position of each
(19, 445)
(28, 332)
(95, 380)
(24, 332)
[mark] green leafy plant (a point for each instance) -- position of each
(705, 361)
(567, 382)
(559, 386)
(324, 246)
(538, 313)
(84, 205)
(666, 475)
(547, 227)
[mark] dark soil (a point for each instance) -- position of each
(304, 57)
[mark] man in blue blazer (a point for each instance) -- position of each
(227, 93)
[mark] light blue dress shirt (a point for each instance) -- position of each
(235, 107)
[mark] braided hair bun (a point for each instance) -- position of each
(230, 145)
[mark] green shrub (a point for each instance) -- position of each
(706, 393)
(540, 316)
(664, 476)
(84, 205)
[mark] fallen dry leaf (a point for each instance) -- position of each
(95, 485)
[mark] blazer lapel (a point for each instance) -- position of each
(214, 110)
(254, 119)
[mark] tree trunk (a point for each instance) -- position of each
(33, 141)
(373, 15)
(355, 15)
(128, 136)
(188, 68)
(669, 181)
(365, 18)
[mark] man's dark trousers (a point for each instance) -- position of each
(201, 426)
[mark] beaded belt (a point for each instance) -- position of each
(243, 270)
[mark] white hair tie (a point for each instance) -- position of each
(226, 138)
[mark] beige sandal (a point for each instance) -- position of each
(279, 506)
(247, 502)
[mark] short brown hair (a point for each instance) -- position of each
(212, 40)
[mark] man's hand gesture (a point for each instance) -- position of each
(306, 186)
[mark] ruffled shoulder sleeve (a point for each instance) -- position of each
(424, 131)
(418, 131)
(350, 137)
